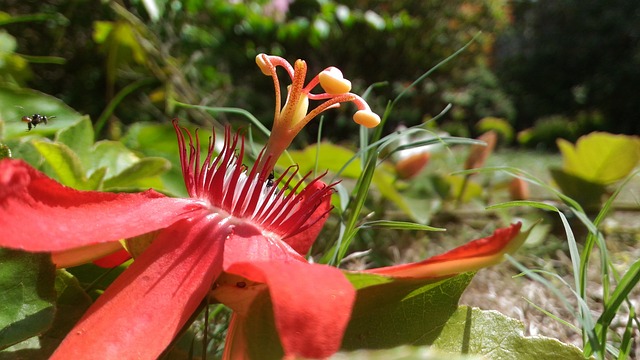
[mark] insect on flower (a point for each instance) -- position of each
(35, 119)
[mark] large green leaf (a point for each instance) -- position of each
(145, 168)
(71, 304)
(27, 295)
(16, 103)
(401, 312)
(403, 353)
(412, 312)
(124, 168)
(496, 336)
(79, 138)
(601, 157)
(64, 163)
(471, 333)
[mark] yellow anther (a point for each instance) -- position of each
(333, 82)
(261, 60)
(366, 118)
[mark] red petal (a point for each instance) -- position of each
(247, 243)
(84, 254)
(302, 241)
(469, 257)
(114, 259)
(311, 303)
(39, 214)
(236, 343)
(144, 309)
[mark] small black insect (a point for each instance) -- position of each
(35, 119)
(270, 180)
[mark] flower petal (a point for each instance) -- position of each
(96, 252)
(39, 214)
(302, 241)
(144, 308)
(236, 344)
(469, 257)
(113, 260)
(311, 304)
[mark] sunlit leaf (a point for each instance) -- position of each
(16, 103)
(27, 295)
(145, 168)
(79, 138)
(64, 163)
(600, 157)
(402, 312)
(113, 156)
(334, 157)
(403, 353)
(101, 31)
(496, 336)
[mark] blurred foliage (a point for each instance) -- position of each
(531, 60)
(595, 161)
(500, 126)
(546, 130)
(201, 52)
(567, 57)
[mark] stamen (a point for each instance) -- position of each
(223, 181)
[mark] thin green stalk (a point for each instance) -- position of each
(117, 99)
(228, 110)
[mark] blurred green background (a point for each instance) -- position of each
(549, 68)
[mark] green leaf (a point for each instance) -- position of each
(16, 103)
(145, 168)
(65, 163)
(587, 193)
(160, 140)
(600, 157)
(96, 180)
(79, 138)
(27, 295)
(402, 312)
(72, 302)
(96, 279)
(113, 156)
(334, 157)
(5, 152)
(101, 31)
(402, 353)
(419, 312)
(496, 336)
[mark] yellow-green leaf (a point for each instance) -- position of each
(600, 157)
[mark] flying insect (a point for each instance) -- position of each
(35, 119)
